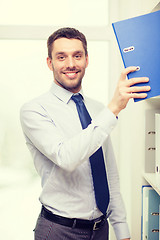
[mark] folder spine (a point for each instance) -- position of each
(120, 49)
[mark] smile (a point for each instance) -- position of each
(71, 74)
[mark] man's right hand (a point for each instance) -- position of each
(125, 90)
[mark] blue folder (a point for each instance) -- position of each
(139, 44)
(153, 215)
(150, 213)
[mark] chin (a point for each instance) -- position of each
(73, 88)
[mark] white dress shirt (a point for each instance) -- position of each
(61, 150)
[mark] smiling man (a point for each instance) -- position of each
(68, 62)
(68, 135)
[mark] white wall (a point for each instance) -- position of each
(129, 137)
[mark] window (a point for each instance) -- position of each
(52, 12)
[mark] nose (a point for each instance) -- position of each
(70, 62)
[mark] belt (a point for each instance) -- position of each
(74, 222)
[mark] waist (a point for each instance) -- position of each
(74, 222)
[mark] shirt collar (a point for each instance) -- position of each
(61, 93)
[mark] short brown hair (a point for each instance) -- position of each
(70, 33)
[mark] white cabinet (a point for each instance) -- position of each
(151, 171)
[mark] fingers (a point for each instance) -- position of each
(138, 95)
(134, 81)
(126, 71)
(130, 85)
(137, 92)
(135, 89)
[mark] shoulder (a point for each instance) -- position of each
(34, 106)
(36, 102)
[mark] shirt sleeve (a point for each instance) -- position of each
(66, 152)
(116, 211)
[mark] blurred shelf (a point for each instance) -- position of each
(154, 180)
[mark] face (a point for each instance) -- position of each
(68, 63)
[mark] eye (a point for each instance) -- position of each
(61, 58)
(78, 56)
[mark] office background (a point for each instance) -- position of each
(24, 28)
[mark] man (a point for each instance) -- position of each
(62, 147)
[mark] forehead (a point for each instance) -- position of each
(67, 45)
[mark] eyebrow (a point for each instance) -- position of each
(76, 52)
(60, 53)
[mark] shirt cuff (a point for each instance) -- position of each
(121, 231)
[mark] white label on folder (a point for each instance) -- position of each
(138, 68)
(128, 49)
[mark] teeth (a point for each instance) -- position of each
(70, 73)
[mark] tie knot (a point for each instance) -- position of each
(77, 98)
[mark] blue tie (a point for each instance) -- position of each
(96, 160)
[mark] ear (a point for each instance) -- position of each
(49, 63)
(87, 61)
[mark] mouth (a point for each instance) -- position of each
(71, 75)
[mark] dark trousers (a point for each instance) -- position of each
(47, 230)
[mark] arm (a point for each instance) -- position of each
(116, 211)
(125, 91)
(59, 140)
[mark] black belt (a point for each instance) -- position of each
(73, 222)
